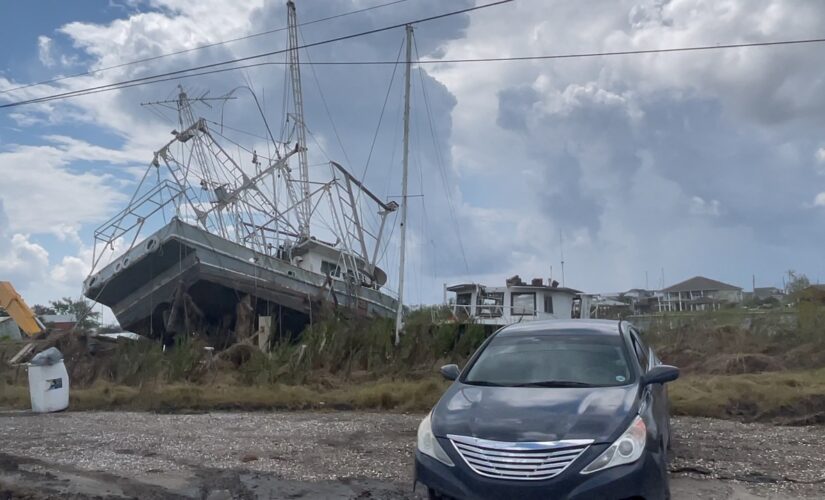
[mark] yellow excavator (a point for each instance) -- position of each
(16, 307)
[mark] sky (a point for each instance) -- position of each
(636, 170)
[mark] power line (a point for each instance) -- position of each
(159, 79)
(567, 56)
(152, 78)
(199, 47)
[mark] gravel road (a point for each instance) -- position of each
(338, 455)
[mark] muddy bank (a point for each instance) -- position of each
(338, 455)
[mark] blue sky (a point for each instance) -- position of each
(707, 163)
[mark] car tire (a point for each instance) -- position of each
(432, 495)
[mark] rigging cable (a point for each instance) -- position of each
(324, 101)
(440, 164)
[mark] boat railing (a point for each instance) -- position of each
(491, 311)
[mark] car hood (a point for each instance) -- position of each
(532, 413)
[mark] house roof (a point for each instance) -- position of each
(464, 287)
(58, 318)
(700, 283)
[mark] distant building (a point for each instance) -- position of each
(642, 301)
(768, 292)
(59, 322)
(699, 294)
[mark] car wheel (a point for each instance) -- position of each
(432, 495)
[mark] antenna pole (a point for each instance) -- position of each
(300, 130)
(561, 247)
(400, 312)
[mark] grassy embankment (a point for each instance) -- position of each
(769, 367)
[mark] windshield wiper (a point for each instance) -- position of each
(555, 383)
(483, 382)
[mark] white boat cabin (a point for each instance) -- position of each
(323, 258)
(516, 302)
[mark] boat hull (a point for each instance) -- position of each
(216, 273)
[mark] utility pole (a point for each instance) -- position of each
(400, 313)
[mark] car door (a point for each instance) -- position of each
(656, 393)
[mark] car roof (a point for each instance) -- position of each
(563, 326)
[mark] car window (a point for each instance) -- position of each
(551, 359)
(641, 351)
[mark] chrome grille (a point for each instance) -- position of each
(524, 461)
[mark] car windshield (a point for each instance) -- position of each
(551, 360)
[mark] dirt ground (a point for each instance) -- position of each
(217, 456)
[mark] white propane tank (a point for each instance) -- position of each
(49, 386)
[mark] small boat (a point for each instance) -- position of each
(223, 246)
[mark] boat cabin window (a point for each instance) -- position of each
(329, 268)
(523, 303)
(462, 303)
(548, 303)
(490, 304)
(464, 299)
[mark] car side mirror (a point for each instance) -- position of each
(660, 375)
(450, 372)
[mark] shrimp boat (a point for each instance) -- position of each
(212, 243)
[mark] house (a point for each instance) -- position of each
(59, 322)
(768, 292)
(608, 308)
(516, 301)
(699, 294)
(641, 301)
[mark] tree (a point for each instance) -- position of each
(40, 309)
(796, 283)
(80, 308)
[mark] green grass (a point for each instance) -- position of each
(400, 395)
(344, 363)
(787, 397)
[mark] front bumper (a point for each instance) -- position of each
(642, 478)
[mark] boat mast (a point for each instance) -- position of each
(305, 207)
(400, 312)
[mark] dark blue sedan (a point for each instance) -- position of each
(552, 410)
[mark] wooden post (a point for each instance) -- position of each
(264, 332)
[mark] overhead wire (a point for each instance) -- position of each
(179, 74)
(193, 49)
(155, 78)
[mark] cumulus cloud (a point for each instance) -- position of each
(695, 163)
(29, 266)
(21, 261)
(819, 200)
(45, 191)
(643, 156)
(699, 206)
(44, 50)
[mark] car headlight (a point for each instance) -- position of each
(625, 450)
(428, 444)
